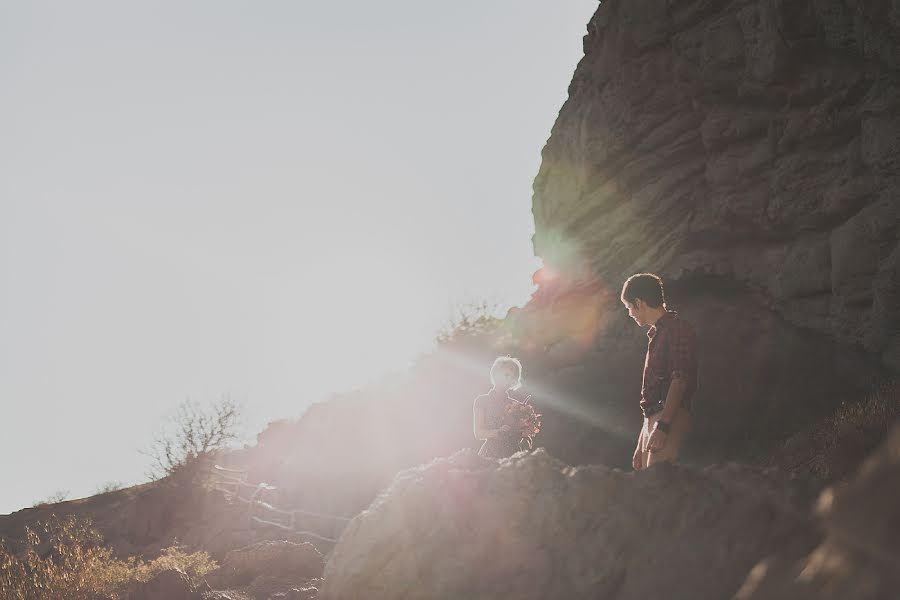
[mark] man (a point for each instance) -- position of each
(670, 371)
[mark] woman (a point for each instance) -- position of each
(490, 413)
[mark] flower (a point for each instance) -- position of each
(524, 420)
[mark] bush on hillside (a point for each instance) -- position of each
(54, 498)
(66, 558)
(185, 452)
(109, 486)
(473, 323)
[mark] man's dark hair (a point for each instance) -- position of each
(646, 286)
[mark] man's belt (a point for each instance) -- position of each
(652, 409)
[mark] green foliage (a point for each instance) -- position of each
(66, 559)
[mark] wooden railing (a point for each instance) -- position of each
(233, 482)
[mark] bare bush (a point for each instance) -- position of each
(185, 451)
(109, 486)
(54, 498)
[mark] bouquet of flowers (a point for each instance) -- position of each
(524, 420)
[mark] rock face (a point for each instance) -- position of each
(747, 151)
(277, 561)
(531, 527)
(167, 585)
(860, 555)
(755, 140)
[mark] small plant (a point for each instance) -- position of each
(195, 565)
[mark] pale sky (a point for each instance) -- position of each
(269, 200)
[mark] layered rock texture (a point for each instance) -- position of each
(749, 152)
(756, 140)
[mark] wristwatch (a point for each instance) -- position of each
(663, 426)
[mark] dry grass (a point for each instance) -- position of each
(834, 449)
(66, 559)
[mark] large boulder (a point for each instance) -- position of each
(171, 584)
(532, 527)
(860, 555)
(268, 565)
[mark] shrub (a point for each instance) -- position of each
(66, 559)
(195, 565)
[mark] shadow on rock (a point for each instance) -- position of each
(531, 527)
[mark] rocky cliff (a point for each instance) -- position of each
(754, 140)
(749, 152)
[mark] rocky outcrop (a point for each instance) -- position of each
(278, 563)
(860, 555)
(171, 584)
(745, 150)
(753, 140)
(531, 527)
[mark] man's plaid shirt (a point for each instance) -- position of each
(671, 353)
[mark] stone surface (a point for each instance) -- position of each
(860, 555)
(280, 561)
(531, 527)
(167, 585)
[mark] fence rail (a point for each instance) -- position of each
(234, 481)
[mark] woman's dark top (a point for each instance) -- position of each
(506, 443)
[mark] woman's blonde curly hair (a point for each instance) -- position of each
(507, 362)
